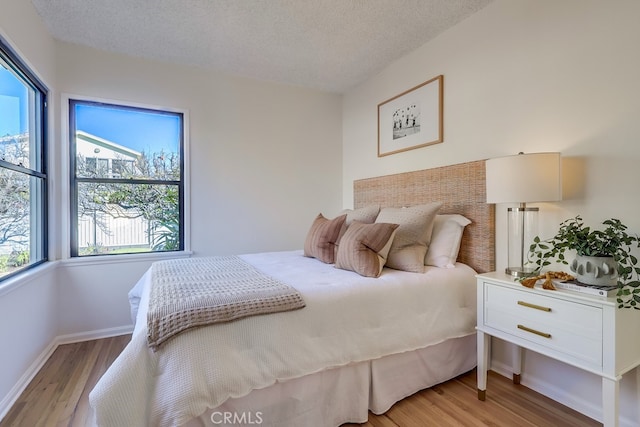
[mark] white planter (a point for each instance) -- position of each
(594, 270)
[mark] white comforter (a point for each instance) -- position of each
(347, 318)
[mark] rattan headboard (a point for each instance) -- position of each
(461, 189)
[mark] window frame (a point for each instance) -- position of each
(40, 169)
(183, 193)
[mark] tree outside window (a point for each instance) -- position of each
(23, 213)
(128, 179)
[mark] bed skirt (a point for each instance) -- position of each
(346, 394)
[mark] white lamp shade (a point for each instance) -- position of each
(524, 178)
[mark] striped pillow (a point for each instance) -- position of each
(364, 248)
(366, 215)
(322, 238)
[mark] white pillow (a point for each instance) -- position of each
(445, 240)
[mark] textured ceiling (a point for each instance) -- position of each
(325, 44)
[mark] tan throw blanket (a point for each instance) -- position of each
(186, 293)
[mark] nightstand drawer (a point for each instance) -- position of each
(572, 328)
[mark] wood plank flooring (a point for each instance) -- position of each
(455, 403)
(58, 396)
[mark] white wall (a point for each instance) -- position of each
(28, 310)
(28, 326)
(527, 75)
(265, 159)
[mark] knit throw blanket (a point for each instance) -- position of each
(187, 293)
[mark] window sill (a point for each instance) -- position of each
(20, 279)
(124, 258)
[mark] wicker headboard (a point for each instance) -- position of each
(461, 189)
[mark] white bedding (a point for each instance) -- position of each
(348, 318)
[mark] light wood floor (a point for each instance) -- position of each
(58, 396)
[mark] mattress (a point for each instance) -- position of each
(348, 319)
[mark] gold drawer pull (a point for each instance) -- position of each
(533, 331)
(537, 307)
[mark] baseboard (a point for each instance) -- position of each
(94, 335)
(587, 408)
(8, 401)
(13, 395)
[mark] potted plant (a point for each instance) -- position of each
(613, 241)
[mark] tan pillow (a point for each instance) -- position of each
(366, 215)
(413, 235)
(322, 237)
(445, 240)
(364, 248)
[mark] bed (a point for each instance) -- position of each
(360, 344)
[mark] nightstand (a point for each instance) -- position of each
(585, 331)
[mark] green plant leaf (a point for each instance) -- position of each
(613, 240)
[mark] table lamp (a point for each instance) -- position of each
(522, 179)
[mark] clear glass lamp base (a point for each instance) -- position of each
(522, 228)
(519, 271)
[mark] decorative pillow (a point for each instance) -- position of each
(445, 240)
(366, 215)
(413, 235)
(364, 248)
(322, 237)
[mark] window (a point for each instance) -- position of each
(127, 192)
(23, 179)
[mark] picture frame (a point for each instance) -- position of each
(412, 119)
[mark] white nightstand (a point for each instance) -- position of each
(578, 329)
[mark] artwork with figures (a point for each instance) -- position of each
(411, 119)
(406, 121)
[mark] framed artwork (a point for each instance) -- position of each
(412, 119)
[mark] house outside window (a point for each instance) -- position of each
(127, 192)
(23, 175)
